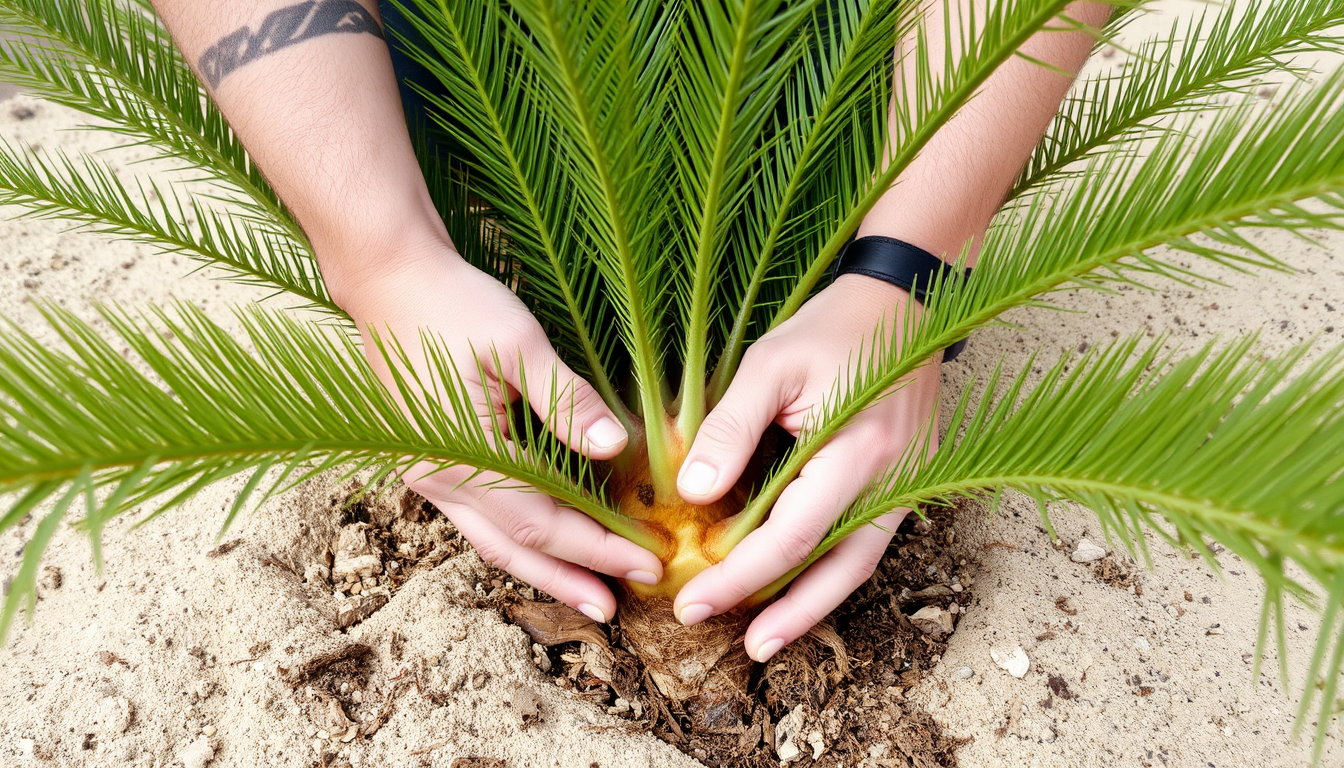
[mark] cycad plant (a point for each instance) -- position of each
(663, 182)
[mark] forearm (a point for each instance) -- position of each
(948, 195)
(309, 89)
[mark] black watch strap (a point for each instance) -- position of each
(901, 264)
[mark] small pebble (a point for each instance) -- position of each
(323, 735)
(956, 587)
(1087, 552)
(1014, 662)
(357, 697)
(965, 673)
(208, 731)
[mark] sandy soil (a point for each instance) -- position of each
(173, 655)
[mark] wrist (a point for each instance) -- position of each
(361, 280)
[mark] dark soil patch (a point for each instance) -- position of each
(1114, 573)
(838, 694)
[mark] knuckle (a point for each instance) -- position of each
(496, 553)
(599, 558)
(529, 532)
(724, 428)
(554, 582)
(796, 542)
(859, 567)
(760, 358)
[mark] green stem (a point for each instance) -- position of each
(929, 126)
(648, 369)
(692, 397)
(160, 237)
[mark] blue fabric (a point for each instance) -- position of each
(405, 68)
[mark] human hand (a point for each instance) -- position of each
(555, 549)
(783, 377)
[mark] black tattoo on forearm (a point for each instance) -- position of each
(283, 28)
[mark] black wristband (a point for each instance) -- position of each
(901, 264)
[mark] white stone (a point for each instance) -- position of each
(1142, 645)
(818, 745)
(786, 735)
(1087, 552)
(965, 673)
(197, 754)
(1013, 662)
(932, 620)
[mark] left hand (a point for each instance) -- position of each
(783, 377)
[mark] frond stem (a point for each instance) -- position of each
(740, 525)
(648, 369)
(692, 397)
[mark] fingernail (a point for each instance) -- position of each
(769, 648)
(642, 577)
(698, 478)
(593, 612)
(606, 433)
(694, 614)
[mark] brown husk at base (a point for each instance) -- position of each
(702, 670)
(847, 679)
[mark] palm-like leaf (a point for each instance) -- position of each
(85, 191)
(304, 402)
(1223, 445)
(1107, 109)
(111, 62)
(1192, 195)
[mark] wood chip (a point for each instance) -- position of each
(555, 623)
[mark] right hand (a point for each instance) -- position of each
(555, 549)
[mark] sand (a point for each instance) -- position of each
(171, 654)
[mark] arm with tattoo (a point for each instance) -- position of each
(309, 89)
(282, 28)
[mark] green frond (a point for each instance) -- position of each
(1282, 169)
(830, 119)
(489, 109)
(732, 61)
(1223, 445)
(304, 402)
(1245, 40)
(110, 61)
(90, 195)
(605, 65)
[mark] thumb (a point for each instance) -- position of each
(570, 406)
(728, 437)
